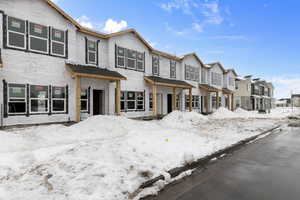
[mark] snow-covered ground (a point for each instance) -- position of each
(109, 157)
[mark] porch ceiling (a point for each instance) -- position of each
(154, 80)
(87, 71)
(208, 88)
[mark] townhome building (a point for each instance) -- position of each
(55, 70)
(295, 100)
(254, 94)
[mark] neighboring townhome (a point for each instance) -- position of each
(254, 94)
(229, 89)
(295, 100)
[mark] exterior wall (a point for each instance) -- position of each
(296, 101)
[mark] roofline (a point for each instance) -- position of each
(196, 56)
(231, 70)
(218, 63)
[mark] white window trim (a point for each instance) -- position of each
(60, 99)
(8, 101)
(32, 36)
(88, 52)
(173, 69)
(64, 43)
(137, 101)
(9, 31)
(157, 66)
(140, 61)
(127, 66)
(31, 112)
(119, 56)
(87, 102)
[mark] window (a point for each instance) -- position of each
(84, 100)
(38, 38)
(132, 101)
(203, 76)
(130, 59)
(16, 99)
(216, 78)
(172, 68)
(178, 102)
(155, 65)
(58, 99)
(191, 73)
(91, 52)
(195, 102)
(39, 99)
(58, 46)
(150, 101)
(16, 33)
(231, 81)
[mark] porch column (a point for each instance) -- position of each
(78, 96)
(206, 103)
(191, 98)
(217, 101)
(232, 102)
(118, 97)
(174, 99)
(154, 98)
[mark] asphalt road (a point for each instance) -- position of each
(268, 169)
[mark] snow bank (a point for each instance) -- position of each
(224, 113)
(178, 119)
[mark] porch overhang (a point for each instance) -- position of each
(86, 71)
(227, 91)
(158, 81)
(208, 88)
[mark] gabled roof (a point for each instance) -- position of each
(193, 54)
(219, 64)
(231, 70)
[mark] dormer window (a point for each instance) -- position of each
(91, 52)
(38, 38)
(155, 65)
(16, 33)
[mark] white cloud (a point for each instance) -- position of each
(184, 5)
(114, 26)
(211, 12)
(285, 85)
(197, 27)
(85, 21)
(228, 37)
(55, 1)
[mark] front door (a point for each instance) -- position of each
(98, 102)
(169, 98)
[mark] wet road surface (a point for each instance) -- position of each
(268, 169)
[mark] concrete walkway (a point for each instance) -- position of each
(266, 170)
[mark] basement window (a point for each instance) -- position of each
(16, 99)
(16, 33)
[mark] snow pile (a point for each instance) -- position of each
(178, 119)
(224, 113)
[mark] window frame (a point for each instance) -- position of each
(36, 37)
(10, 31)
(8, 99)
(153, 65)
(135, 100)
(34, 98)
(120, 56)
(132, 59)
(58, 99)
(59, 42)
(172, 69)
(87, 100)
(92, 51)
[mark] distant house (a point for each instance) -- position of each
(284, 102)
(295, 100)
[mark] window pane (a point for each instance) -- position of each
(91, 45)
(58, 92)
(16, 25)
(130, 96)
(140, 56)
(17, 40)
(122, 95)
(38, 44)
(122, 105)
(38, 91)
(58, 105)
(121, 61)
(58, 48)
(131, 105)
(92, 57)
(121, 51)
(84, 94)
(16, 107)
(140, 66)
(39, 105)
(131, 63)
(58, 35)
(140, 96)
(38, 30)
(83, 105)
(140, 107)
(16, 90)
(131, 54)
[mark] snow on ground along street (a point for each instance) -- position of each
(109, 157)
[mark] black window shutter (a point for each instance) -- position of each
(5, 95)
(89, 100)
(97, 52)
(67, 44)
(50, 100)
(27, 102)
(4, 31)
(27, 35)
(49, 40)
(116, 60)
(67, 99)
(86, 50)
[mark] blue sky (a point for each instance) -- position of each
(257, 37)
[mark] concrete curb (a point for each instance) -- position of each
(205, 160)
